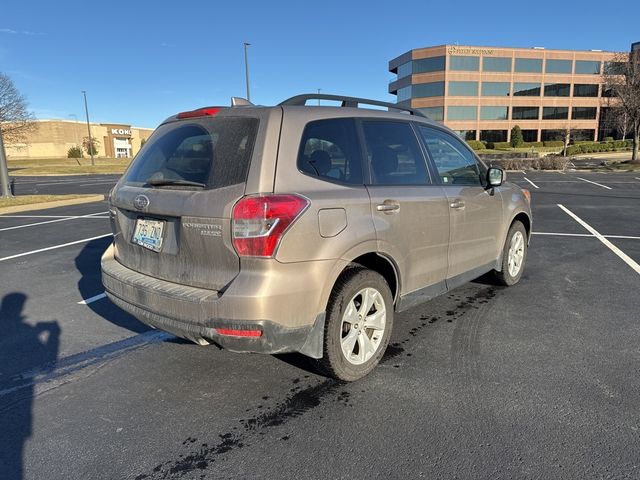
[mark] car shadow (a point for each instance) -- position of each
(90, 284)
(25, 347)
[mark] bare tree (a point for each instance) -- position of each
(622, 78)
(15, 123)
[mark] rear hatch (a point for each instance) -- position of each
(171, 210)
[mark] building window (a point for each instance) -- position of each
(434, 113)
(526, 89)
(405, 70)
(426, 65)
(529, 65)
(583, 135)
(555, 113)
(462, 113)
(493, 135)
(525, 113)
(614, 68)
(558, 66)
(496, 89)
(586, 67)
(585, 90)
(583, 113)
(496, 64)
(466, 134)
(552, 135)
(467, 64)
(608, 92)
(404, 94)
(463, 89)
(556, 89)
(493, 113)
(422, 90)
(530, 135)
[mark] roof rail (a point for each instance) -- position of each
(301, 100)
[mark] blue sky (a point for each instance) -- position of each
(141, 61)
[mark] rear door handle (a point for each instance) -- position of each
(388, 206)
(457, 204)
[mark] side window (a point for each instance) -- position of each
(455, 163)
(394, 154)
(330, 149)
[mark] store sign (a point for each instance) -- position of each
(120, 131)
(469, 51)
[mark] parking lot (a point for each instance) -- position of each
(540, 380)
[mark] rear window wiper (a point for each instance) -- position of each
(159, 182)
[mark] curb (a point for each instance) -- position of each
(53, 204)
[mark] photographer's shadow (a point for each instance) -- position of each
(24, 348)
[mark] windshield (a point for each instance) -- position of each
(211, 152)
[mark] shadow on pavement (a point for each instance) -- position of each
(23, 347)
(90, 285)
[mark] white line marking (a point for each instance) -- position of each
(54, 247)
(624, 237)
(628, 260)
(95, 298)
(637, 178)
(36, 216)
(534, 185)
(598, 184)
(91, 215)
(97, 183)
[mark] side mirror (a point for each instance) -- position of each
(495, 176)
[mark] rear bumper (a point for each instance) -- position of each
(197, 314)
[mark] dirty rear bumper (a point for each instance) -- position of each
(195, 313)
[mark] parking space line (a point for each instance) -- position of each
(534, 185)
(95, 298)
(46, 249)
(557, 234)
(98, 183)
(628, 260)
(91, 215)
(598, 184)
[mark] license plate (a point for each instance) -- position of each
(148, 234)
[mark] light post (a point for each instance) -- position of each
(86, 109)
(5, 187)
(246, 69)
(319, 98)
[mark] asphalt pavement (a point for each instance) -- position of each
(537, 381)
(66, 184)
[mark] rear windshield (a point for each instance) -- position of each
(215, 152)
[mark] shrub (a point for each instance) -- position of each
(499, 145)
(516, 137)
(550, 162)
(553, 143)
(592, 147)
(476, 145)
(608, 139)
(74, 152)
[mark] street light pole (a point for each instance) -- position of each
(5, 187)
(86, 109)
(246, 69)
(318, 98)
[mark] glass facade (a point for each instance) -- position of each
(583, 113)
(496, 89)
(526, 89)
(467, 64)
(434, 113)
(493, 135)
(525, 113)
(556, 89)
(583, 135)
(405, 70)
(555, 113)
(614, 68)
(426, 65)
(494, 113)
(530, 135)
(423, 90)
(466, 134)
(528, 65)
(587, 67)
(403, 94)
(558, 66)
(552, 135)
(463, 89)
(496, 64)
(585, 90)
(462, 113)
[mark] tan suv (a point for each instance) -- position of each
(301, 228)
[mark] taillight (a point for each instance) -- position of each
(201, 112)
(259, 221)
(239, 333)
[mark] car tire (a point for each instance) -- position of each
(514, 255)
(356, 337)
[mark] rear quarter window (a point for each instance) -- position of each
(215, 152)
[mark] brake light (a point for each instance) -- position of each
(200, 112)
(239, 333)
(527, 194)
(260, 221)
